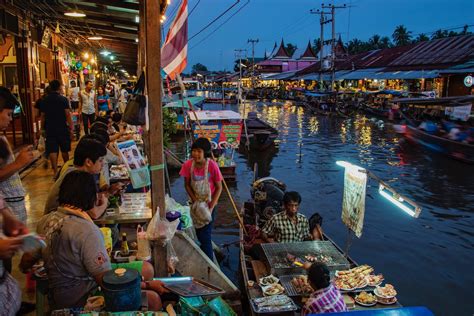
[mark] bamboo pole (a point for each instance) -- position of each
(234, 206)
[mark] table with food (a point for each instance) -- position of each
(286, 287)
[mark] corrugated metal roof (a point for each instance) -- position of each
(441, 51)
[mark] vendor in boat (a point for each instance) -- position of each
(288, 225)
(75, 256)
(325, 298)
(203, 183)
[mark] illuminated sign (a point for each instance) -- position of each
(468, 81)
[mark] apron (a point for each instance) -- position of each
(200, 212)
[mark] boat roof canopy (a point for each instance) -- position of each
(215, 115)
(447, 101)
(180, 104)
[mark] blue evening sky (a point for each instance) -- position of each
(272, 20)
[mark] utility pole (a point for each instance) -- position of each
(333, 39)
(322, 21)
(239, 54)
(253, 41)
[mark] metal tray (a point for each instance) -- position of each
(288, 308)
(289, 288)
(189, 287)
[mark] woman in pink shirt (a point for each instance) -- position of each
(203, 183)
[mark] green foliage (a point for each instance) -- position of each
(169, 125)
(316, 45)
(401, 36)
(198, 67)
(290, 49)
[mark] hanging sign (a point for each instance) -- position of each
(220, 134)
(459, 112)
(137, 168)
(353, 201)
(468, 81)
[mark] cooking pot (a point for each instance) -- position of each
(121, 289)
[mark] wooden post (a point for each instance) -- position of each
(152, 41)
(141, 38)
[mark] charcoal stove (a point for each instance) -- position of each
(276, 256)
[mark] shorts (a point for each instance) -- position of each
(54, 143)
(135, 265)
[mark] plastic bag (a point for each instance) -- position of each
(160, 229)
(200, 214)
(41, 143)
(172, 258)
(143, 251)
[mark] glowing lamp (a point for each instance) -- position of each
(75, 14)
(405, 205)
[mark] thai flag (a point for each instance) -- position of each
(174, 52)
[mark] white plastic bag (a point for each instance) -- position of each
(200, 214)
(41, 144)
(160, 229)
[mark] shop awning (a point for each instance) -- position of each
(410, 74)
(326, 76)
(281, 76)
(361, 74)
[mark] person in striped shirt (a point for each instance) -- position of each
(326, 298)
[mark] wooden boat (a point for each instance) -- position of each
(454, 149)
(253, 267)
(259, 135)
(220, 100)
(223, 129)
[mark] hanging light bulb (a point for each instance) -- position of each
(58, 30)
(76, 41)
(86, 55)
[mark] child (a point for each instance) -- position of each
(325, 298)
(203, 183)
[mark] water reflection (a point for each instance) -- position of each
(430, 249)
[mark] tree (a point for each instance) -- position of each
(374, 42)
(421, 38)
(198, 67)
(439, 34)
(245, 62)
(465, 30)
(356, 46)
(290, 49)
(316, 45)
(385, 42)
(401, 36)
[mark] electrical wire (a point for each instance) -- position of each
(214, 20)
(192, 10)
(218, 27)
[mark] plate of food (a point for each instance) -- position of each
(360, 270)
(268, 280)
(386, 301)
(387, 291)
(342, 284)
(366, 299)
(374, 280)
(274, 289)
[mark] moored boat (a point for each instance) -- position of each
(258, 259)
(259, 135)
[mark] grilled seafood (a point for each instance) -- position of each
(301, 285)
(387, 291)
(374, 280)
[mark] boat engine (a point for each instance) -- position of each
(267, 194)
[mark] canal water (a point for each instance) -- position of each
(429, 259)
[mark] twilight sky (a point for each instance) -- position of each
(270, 20)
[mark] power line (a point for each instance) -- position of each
(214, 20)
(192, 10)
(218, 27)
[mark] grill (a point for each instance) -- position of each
(276, 255)
(286, 282)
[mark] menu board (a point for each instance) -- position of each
(353, 201)
(131, 154)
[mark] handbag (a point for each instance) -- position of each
(135, 111)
